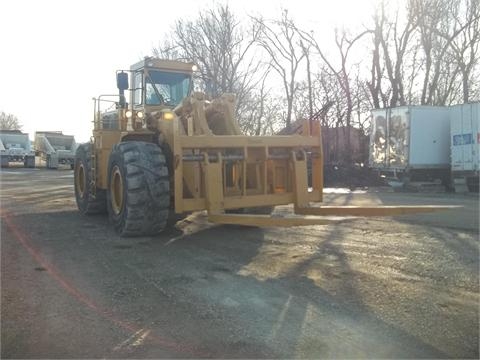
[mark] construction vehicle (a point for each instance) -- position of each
(15, 147)
(55, 148)
(171, 150)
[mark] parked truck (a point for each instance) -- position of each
(55, 148)
(410, 146)
(15, 147)
(465, 146)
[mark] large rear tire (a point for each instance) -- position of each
(82, 174)
(138, 195)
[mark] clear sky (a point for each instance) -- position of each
(57, 55)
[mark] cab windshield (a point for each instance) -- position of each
(166, 88)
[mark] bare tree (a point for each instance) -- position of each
(449, 40)
(361, 100)
(391, 39)
(9, 122)
(306, 51)
(376, 72)
(261, 114)
(425, 53)
(341, 71)
(282, 43)
(220, 46)
(465, 46)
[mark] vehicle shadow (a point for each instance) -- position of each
(327, 317)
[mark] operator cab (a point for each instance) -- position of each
(158, 84)
(156, 87)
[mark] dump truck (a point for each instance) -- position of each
(55, 148)
(15, 146)
(171, 150)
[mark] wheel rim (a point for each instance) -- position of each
(116, 190)
(80, 180)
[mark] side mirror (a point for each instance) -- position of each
(122, 81)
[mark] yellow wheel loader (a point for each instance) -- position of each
(170, 150)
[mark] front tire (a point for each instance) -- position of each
(138, 195)
(29, 161)
(82, 175)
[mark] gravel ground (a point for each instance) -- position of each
(404, 287)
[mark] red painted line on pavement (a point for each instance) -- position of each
(22, 238)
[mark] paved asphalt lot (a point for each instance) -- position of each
(404, 287)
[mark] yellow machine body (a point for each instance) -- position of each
(212, 165)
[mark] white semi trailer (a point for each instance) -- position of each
(465, 146)
(15, 147)
(55, 148)
(411, 145)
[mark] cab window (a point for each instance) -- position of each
(138, 89)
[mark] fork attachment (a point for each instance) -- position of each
(218, 169)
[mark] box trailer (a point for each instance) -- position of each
(465, 146)
(411, 145)
(55, 148)
(15, 146)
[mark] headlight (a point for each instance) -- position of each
(194, 68)
(140, 114)
(168, 115)
(128, 114)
